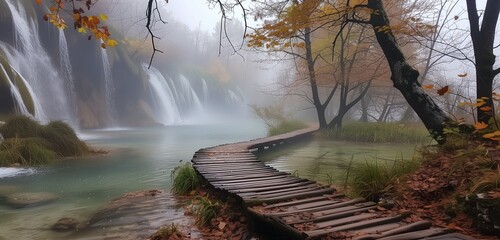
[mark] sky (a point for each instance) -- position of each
(194, 13)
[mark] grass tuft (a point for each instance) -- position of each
(20, 126)
(29, 143)
(167, 232)
(184, 179)
(25, 151)
(373, 180)
(380, 132)
(63, 139)
(285, 126)
(205, 210)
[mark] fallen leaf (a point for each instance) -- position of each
(443, 90)
(462, 75)
(222, 225)
(480, 126)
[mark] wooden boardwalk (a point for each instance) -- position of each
(301, 208)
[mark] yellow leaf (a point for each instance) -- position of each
(480, 126)
(111, 42)
(103, 16)
(82, 30)
(428, 86)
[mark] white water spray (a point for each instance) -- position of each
(109, 86)
(164, 105)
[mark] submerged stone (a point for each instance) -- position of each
(21, 200)
(65, 224)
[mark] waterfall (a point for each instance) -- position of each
(164, 105)
(232, 98)
(109, 86)
(34, 64)
(18, 100)
(205, 91)
(67, 73)
(189, 96)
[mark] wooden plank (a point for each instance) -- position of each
(229, 181)
(346, 220)
(225, 164)
(203, 168)
(262, 189)
(230, 173)
(263, 184)
(249, 176)
(353, 226)
(307, 200)
(342, 206)
(226, 161)
(314, 193)
(380, 228)
(418, 234)
(417, 226)
(451, 236)
(280, 191)
(332, 216)
(337, 210)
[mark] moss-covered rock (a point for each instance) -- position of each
(486, 212)
(8, 77)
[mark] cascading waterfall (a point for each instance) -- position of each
(67, 73)
(232, 98)
(205, 91)
(16, 95)
(34, 64)
(188, 96)
(109, 86)
(163, 100)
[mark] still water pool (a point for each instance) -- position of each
(139, 159)
(326, 160)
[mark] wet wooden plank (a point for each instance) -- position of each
(235, 173)
(243, 186)
(247, 180)
(237, 177)
(418, 234)
(353, 226)
(322, 212)
(338, 206)
(307, 200)
(280, 192)
(417, 226)
(332, 216)
(315, 193)
(346, 220)
(276, 186)
(451, 236)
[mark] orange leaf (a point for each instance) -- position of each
(103, 45)
(480, 126)
(493, 136)
(486, 109)
(428, 86)
(38, 2)
(443, 90)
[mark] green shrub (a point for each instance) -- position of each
(286, 126)
(185, 179)
(373, 180)
(63, 140)
(25, 151)
(380, 132)
(205, 210)
(20, 126)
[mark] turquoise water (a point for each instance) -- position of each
(138, 159)
(326, 161)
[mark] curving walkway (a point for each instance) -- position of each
(301, 208)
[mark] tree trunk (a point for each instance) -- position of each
(405, 77)
(483, 40)
(320, 109)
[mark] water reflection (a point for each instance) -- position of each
(322, 159)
